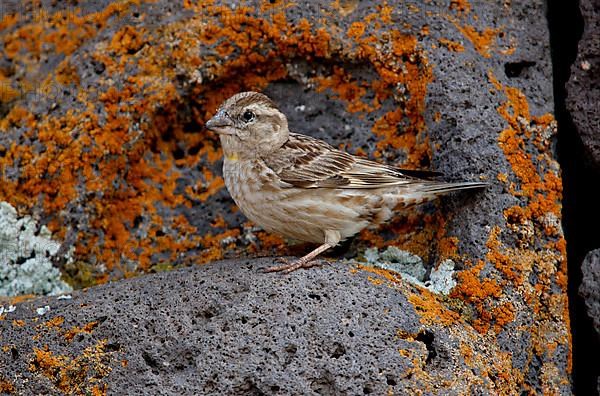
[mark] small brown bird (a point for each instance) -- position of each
(303, 188)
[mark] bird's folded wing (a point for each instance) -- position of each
(307, 162)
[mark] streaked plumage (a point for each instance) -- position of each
(303, 188)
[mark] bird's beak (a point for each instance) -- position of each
(220, 123)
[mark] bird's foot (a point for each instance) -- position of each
(289, 266)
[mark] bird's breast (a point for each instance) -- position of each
(248, 181)
(252, 186)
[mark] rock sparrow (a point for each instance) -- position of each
(303, 188)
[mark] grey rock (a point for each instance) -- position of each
(590, 286)
(228, 328)
(583, 87)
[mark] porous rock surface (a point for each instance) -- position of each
(102, 140)
(583, 87)
(590, 286)
(228, 328)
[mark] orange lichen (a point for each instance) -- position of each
(213, 248)
(79, 375)
(356, 30)
(8, 21)
(54, 323)
(467, 353)
(215, 183)
(471, 288)
(503, 314)
(7, 92)
(385, 13)
(22, 298)
(64, 30)
(270, 242)
(46, 361)
(482, 41)
(75, 330)
(454, 46)
(431, 311)
(58, 192)
(342, 83)
(390, 276)
(66, 73)
(375, 281)
(448, 247)
(98, 390)
(543, 190)
(219, 222)
(128, 40)
(18, 323)
(17, 116)
(462, 6)
(6, 386)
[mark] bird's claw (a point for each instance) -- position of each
(288, 266)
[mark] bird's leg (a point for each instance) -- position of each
(303, 262)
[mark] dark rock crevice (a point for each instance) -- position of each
(581, 213)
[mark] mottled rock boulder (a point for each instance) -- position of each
(583, 87)
(102, 141)
(590, 286)
(219, 329)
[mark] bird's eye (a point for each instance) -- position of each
(248, 116)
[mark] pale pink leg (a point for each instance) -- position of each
(303, 262)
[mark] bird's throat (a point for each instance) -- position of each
(232, 156)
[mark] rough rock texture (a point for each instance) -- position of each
(217, 329)
(102, 140)
(590, 286)
(583, 100)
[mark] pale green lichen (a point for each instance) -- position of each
(441, 279)
(408, 265)
(411, 268)
(26, 251)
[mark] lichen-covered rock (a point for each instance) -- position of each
(218, 329)
(102, 139)
(26, 253)
(590, 286)
(411, 268)
(583, 87)
(397, 260)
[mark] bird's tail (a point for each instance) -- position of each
(419, 193)
(439, 188)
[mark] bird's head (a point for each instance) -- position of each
(249, 124)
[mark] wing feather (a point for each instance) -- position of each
(307, 162)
